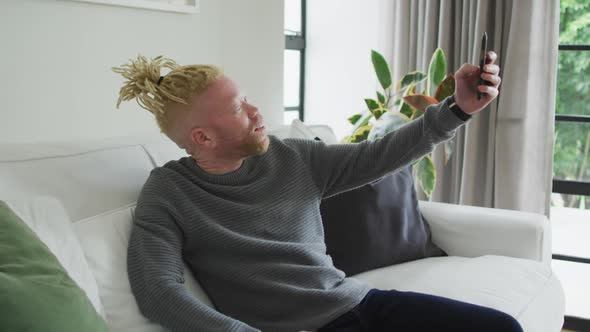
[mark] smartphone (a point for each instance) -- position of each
(482, 61)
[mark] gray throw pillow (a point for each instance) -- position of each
(377, 225)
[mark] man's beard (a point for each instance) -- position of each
(255, 145)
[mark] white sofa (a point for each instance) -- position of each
(497, 258)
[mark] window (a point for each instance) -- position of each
(570, 200)
(294, 69)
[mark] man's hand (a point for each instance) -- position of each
(467, 80)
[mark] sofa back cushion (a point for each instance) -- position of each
(90, 177)
(87, 179)
(377, 225)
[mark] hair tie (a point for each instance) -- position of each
(160, 80)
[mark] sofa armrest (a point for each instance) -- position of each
(471, 231)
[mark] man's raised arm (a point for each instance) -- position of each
(340, 167)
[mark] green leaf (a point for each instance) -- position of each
(406, 110)
(426, 175)
(437, 70)
(414, 77)
(375, 107)
(379, 112)
(364, 120)
(353, 119)
(372, 104)
(361, 134)
(380, 97)
(386, 124)
(381, 69)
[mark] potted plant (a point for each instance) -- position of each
(399, 104)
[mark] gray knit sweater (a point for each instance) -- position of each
(253, 238)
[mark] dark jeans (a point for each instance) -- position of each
(397, 311)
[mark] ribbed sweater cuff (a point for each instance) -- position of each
(447, 119)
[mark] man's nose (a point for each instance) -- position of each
(252, 110)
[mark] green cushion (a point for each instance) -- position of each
(36, 293)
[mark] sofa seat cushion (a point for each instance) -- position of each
(525, 289)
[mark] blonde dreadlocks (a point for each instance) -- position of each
(156, 93)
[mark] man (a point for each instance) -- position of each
(243, 213)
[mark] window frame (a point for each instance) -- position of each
(579, 188)
(568, 187)
(297, 43)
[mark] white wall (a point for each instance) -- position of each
(55, 60)
(339, 72)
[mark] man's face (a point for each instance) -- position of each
(234, 125)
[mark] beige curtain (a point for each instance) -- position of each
(504, 157)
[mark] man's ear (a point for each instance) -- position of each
(201, 138)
